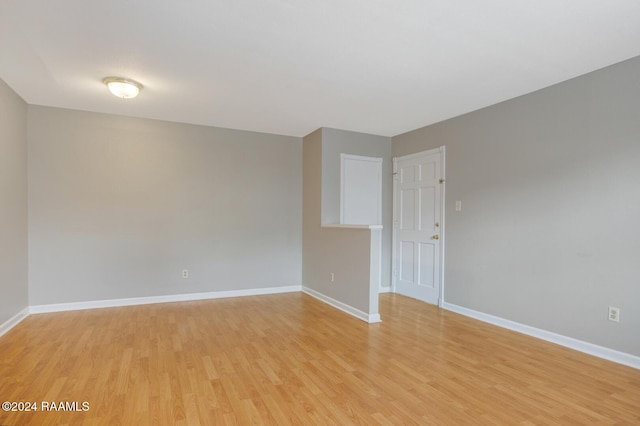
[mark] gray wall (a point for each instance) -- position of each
(345, 252)
(13, 203)
(119, 206)
(549, 231)
(336, 142)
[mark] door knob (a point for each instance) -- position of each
(435, 237)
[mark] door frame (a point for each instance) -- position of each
(394, 269)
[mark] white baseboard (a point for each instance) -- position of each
(13, 321)
(370, 318)
(386, 289)
(111, 303)
(569, 342)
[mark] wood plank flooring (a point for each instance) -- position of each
(290, 359)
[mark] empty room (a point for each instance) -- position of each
(328, 213)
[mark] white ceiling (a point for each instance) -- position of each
(290, 66)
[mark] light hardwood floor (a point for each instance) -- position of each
(290, 359)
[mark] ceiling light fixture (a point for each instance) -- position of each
(122, 87)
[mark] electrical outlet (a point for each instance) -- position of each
(458, 206)
(185, 273)
(614, 314)
(333, 277)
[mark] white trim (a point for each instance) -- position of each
(39, 309)
(13, 321)
(349, 226)
(394, 223)
(569, 342)
(443, 162)
(385, 289)
(361, 158)
(370, 318)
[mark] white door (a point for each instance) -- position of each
(417, 218)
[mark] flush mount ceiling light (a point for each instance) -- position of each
(123, 87)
